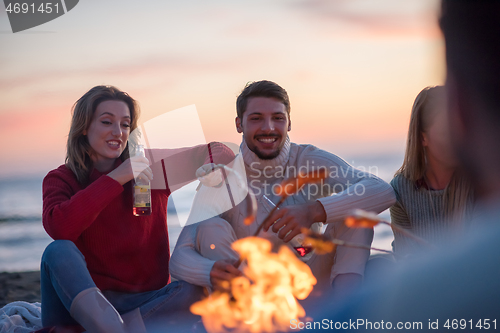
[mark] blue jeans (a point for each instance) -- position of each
(64, 275)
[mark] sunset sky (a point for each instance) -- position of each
(352, 68)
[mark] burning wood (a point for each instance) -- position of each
(264, 299)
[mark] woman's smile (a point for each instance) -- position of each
(108, 133)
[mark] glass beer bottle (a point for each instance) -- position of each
(142, 190)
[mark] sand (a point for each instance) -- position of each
(24, 286)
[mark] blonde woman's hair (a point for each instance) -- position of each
(428, 103)
(78, 149)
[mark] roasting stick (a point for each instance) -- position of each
(256, 233)
(356, 246)
(359, 218)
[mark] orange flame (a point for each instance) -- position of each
(265, 298)
(361, 219)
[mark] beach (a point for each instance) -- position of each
(24, 286)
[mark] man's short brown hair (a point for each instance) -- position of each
(261, 89)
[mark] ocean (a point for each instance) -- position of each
(23, 239)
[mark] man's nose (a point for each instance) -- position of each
(267, 125)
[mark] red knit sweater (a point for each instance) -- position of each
(123, 252)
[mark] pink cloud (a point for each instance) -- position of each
(408, 19)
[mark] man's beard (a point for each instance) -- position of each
(262, 156)
(268, 156)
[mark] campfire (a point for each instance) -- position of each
(264, 299)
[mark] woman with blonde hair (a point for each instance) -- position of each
(107, 270)
(432, 196)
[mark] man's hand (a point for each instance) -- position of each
(223, 270)
(293, 218)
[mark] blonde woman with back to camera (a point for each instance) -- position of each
(432, 195)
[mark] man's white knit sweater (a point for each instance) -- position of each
(345, 189)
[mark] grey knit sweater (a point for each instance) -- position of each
(422, 212)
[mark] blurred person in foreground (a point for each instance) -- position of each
(203, 254)
(462, 282)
